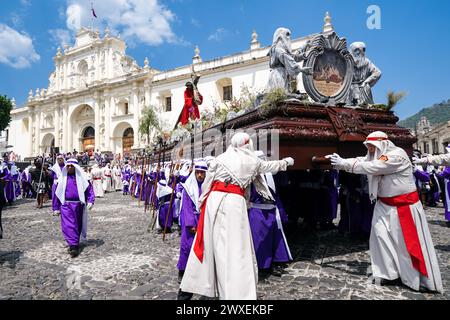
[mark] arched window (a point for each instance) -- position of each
(89, 132)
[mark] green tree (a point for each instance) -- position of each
(5, 112)
(148, 122)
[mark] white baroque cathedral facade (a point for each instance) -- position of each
(96, 94)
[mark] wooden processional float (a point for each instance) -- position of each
(328, 121)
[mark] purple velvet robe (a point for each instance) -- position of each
(10, 192)
(268, 239)
(16, 181)
(126, 176)
(446, 175)
(188, 219)
(72, 211)
(356, 207)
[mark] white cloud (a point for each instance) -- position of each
(25, 2)
(144, 21)
(16, 49)
(218, 35)
(61, 36)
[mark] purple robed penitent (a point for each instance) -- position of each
(188, 219)
(268, 239)
(163, 205)
(72, 211)
(446, 175)
(10, 192)
(16, 180)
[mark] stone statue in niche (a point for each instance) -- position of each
(52, 81)
(285, 65)
(365, 76)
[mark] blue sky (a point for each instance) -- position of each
(411, 48)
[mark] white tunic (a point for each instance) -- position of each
(97, 177)
(117, 175)
(229, 269)
(389, 256)
(107, 180)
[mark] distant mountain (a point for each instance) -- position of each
(437, 114)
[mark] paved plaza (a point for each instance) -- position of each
(121, 260)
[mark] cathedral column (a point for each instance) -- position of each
(147, 92)
(97, 120)
(107, 121)
(38, 132)
(66, 127)
(30, 134)
(135, 100)
(57, 123)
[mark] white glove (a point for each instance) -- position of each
(427, 186)
(178, 194)
(289, 161)
(56, 213)
(420, 161)
(336, 160)
(90, 206)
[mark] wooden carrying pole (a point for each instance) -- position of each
(142, 180)
(174, 182)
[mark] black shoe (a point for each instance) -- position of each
(180, 275)
(74, 251)
(385, 282)
(263, 274)
(184, 295)
(448, 224)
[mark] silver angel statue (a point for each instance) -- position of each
(365, 76)
(284, 64)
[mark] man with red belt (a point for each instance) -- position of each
(222, 261)
(400, 242)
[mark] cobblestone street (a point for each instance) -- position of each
(121, 260)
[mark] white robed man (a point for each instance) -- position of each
(97, 181)
(222, 261)
(107, 178)
(401, 248)
(117, 176)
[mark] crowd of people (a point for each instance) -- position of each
(231, 211)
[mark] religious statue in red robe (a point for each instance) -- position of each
(192, 99)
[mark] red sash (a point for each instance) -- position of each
(216, 186)
(97, 178)
(409, 230)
